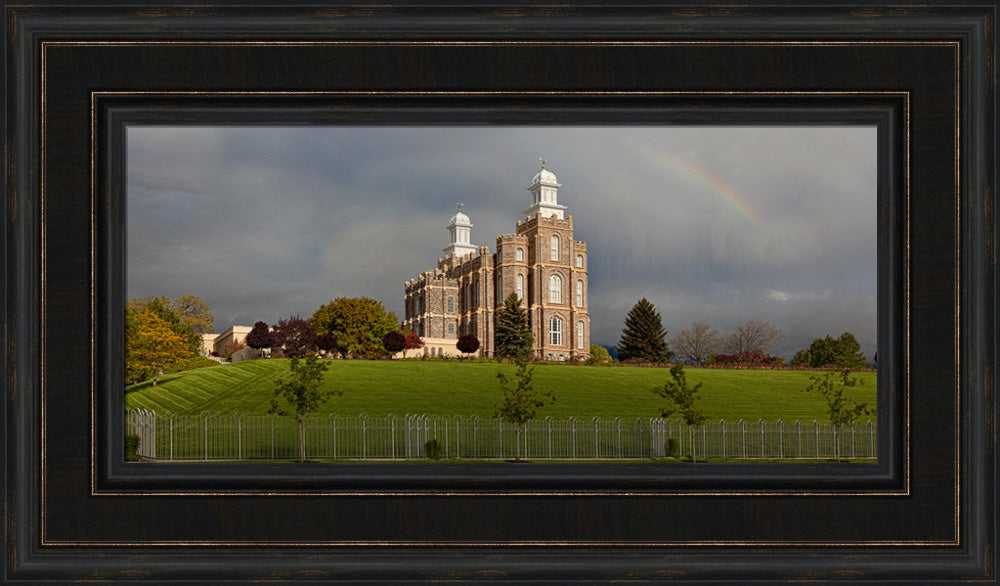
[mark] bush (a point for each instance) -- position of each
(599, 355)
(433, 449)
(131, 448)
(673, 447)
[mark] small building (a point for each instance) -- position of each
(217, 342)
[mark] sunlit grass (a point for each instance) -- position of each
(401, 387)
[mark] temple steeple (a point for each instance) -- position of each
(544, 195)
(460, 228)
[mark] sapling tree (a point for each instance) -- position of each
(303, 392)
(520, 399)
(842, 411)
(681, 399)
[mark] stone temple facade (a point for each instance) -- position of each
(541, 262)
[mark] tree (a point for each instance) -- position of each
(166, 310)
(752, 336)
(302, 391)
(681, 399)
(260, 336)
(842, 352)
(513, 333)
(413, 342)
(194, 313)
(394, 342)
(467, 344)
(598, 355)
(154, 345)
(697, 343)
(520, 400)
(359, 323)
(841, 411)
(644, 338)
(294, 337)
(327, 342)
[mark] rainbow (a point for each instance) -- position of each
(707, 179)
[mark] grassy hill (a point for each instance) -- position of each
(403, 387)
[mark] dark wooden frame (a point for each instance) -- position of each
(75, 511)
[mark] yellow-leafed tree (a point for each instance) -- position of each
(154, 345)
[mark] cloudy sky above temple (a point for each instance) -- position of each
(718, 224)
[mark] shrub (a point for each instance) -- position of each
(131, 448)
(673, 447)
(467, 344)
(599, 355)
(433, 449)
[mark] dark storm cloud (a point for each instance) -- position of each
(709, 223)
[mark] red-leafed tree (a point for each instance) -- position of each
(327, 342)
(260, 336)
(294, 337)
(467, 344)
(394, 342)
(413, 342)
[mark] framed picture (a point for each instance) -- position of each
(90, 83)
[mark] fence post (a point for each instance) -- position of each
(239, 436)
(171, 436)
(205, 417)
(816, 433)
(743, 438)
(618, 426)
(271, 418)
(597, 434)
(871, 439)
(781, 439)
(798, 438)
(722, 426)
(548, 425)
(572, 421)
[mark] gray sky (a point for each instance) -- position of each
(719, 224)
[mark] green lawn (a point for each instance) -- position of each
(403, 387)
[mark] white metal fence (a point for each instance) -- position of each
(270, 437)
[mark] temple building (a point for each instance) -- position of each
(541, 262)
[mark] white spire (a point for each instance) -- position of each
(544, 194)
(460, 229)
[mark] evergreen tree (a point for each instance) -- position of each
(513, 333)
(644, 338)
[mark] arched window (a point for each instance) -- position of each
(451, 329)
(579, 293)
(579, 334)
(520, 254)
(520, 287)
(451, 304)
(555, 289)
(554, 244)
(555, 331)
(579, 261)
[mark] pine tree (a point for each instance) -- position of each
(513, 332)
(644, 338)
